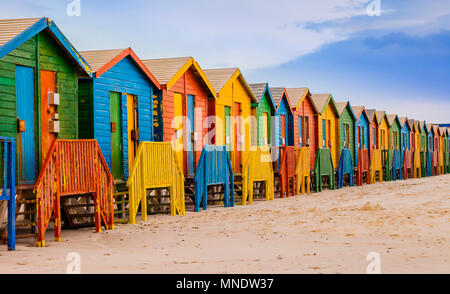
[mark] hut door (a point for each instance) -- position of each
(324, 133)
(178, 114)
(283, 129)
(133, 128)
(265, 125)
(227, 114)
(300, 131)
(359, 138)
(190, 139)
(237, 137)
(116, 136)
(48, 85)
(25, 117)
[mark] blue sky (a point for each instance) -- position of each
(398, 61)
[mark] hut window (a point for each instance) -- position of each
(374, 139)
(306, 127)
(343, 135)
(329, 132)
(300, 131)
(362, 138)
(324, 127)
(347, 135)
(395, 140)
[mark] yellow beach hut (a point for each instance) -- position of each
(233, 109)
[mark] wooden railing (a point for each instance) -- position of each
(408, 164)
(387, 158)
(155, 166)
(447, 162)
(363, 166)
(7, 188)
(214, 168)
(441, 162)
(397, 165)
(417, 165)
(303, 172)
(435, 163)
(258, 168)
(73, 167)
(345, 167)
(429, 158)
(288, 160)
(376, 165)
(324, 167)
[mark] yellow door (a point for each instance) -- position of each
(178, 112)
(133, 131)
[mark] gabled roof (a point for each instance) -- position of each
(169, 70)
(277, 95)
(372, 114)
(430, 128)
(341, 106)
(381, 114)
(296, 95)
(220, 77)
(321, 101)
(391, 118)
(443, 131)
(418, 125)
(259, 90)
(358, 110)
(423, 125)
(102, 60)
(411, 124)
(15, 32)
(436, 130)
(403, 121)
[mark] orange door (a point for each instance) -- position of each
(48, 85)
(283, 129)
(237, 137)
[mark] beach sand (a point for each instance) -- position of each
(406, 222)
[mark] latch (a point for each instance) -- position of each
(135, 135)
(20, 126)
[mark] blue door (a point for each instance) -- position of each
(324, 134)
(25, 113)
(190, 139)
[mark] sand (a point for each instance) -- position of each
(406, 222)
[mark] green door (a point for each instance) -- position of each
(116, 136)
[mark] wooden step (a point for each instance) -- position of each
(31, 212)
(121, 221)
(80, 205)
(24, 224)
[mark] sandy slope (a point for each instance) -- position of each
(407, 222)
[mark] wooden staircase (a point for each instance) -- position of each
(74, 186)
(77, 211)
(156, 182)
(121, 201)
(238, 188)
(25, 214)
